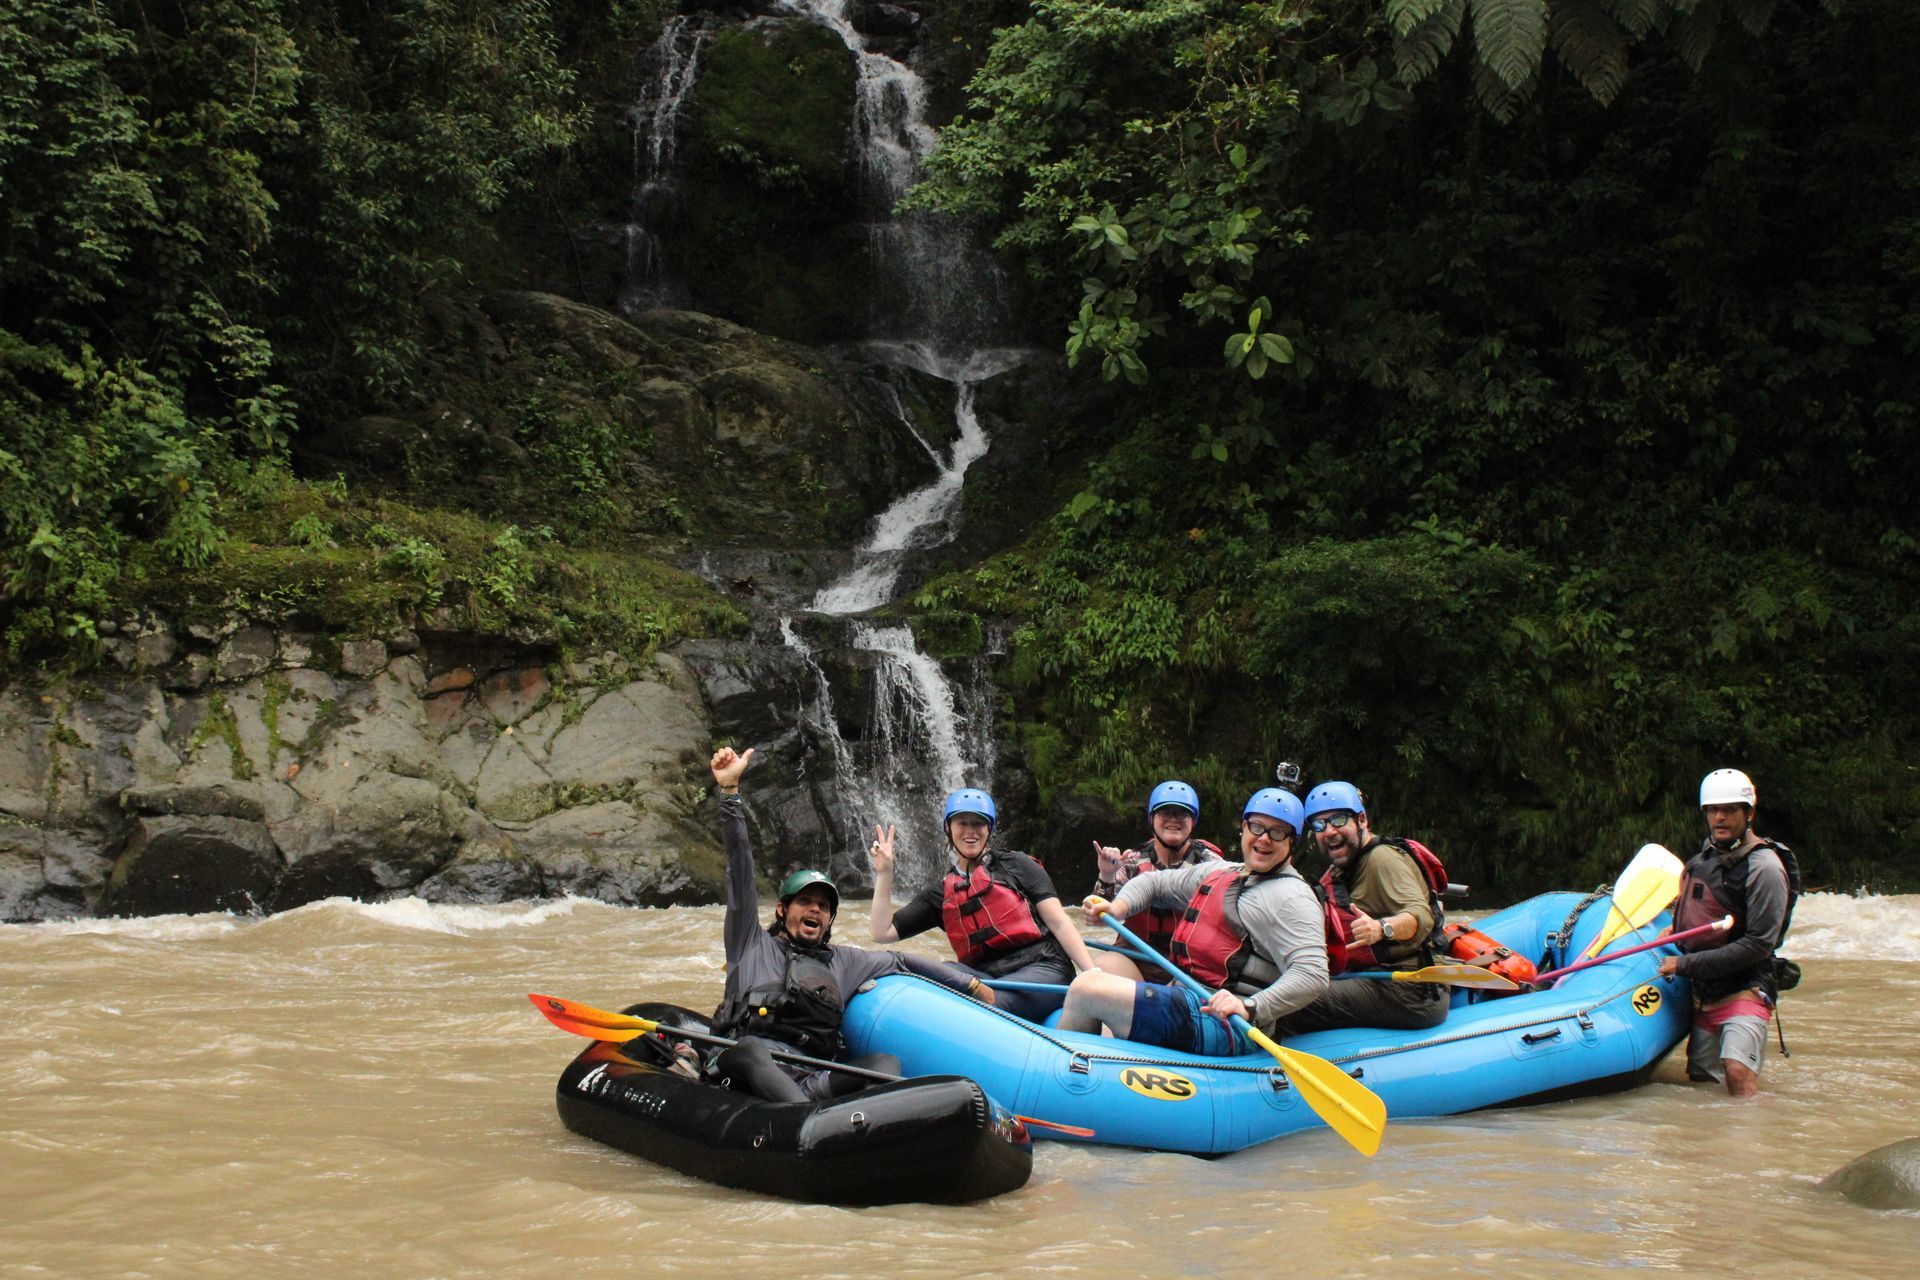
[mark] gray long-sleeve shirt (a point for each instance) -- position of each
(1766, 915)
(756, 959)
(1279, 912)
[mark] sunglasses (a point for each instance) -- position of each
(1276, 833)
(1335, 820)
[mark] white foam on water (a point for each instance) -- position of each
(173, 928)
(1845, 926)
(422, 916)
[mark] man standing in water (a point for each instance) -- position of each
(787, 986)
(1740, 873)
(1173, 809)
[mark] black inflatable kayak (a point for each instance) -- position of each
(935, 1139)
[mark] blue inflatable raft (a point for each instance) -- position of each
(1596, 1031)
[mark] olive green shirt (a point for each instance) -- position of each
(1391, 883)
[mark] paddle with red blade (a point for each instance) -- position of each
(617, 1028)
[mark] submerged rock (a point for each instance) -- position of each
(1885, 1178)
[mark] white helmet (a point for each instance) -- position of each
(1726, 786)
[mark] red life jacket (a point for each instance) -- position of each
(985, 916)
(1155, 926)
(1204, 944)
(1343, 954)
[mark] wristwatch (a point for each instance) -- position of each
(1386, 930)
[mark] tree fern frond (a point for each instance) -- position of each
(1404, 15)
(1421, 49)
(1638, 17)
(1754, 15)
(1511, 37)
(1591, 46)
(1694, 30)
(1500, 101)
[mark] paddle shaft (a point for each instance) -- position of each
(1002, 984)
(1449, 975)
(1725, 922)
(587, 1025)
(1329, 1092)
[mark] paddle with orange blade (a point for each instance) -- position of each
(618, 1028)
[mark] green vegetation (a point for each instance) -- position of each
(1521, 471)
(222, 221)
(1507, 404)
(387, 561)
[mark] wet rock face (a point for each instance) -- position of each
(1885, 1178)
(452, 767)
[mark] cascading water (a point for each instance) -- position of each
(936, 315)
(668, 72)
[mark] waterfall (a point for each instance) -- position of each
(936, 313)
(669, 70)
(924, 517)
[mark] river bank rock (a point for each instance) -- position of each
(450, 767)
(1885, 1178)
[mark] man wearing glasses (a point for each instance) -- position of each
(1253, 932)
(1380, 905)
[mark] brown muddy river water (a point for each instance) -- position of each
(355, 1090)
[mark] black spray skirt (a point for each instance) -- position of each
(934, 1139)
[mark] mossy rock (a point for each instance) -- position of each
(776, 102)
(950, 633)
(765, 222)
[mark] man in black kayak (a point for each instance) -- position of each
(787, 986)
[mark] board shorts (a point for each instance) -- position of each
(1169, 1016)
(1736, 1031)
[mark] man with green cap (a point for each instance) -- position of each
(787, 985)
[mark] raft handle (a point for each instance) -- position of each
(1080, 1064)
(1278, 1079)
(1533, 1037)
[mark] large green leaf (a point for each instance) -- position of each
(1418, 50)
(1592, 46)
(1511, 37)
(1694, 31)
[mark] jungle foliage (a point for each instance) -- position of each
(1521, 451)
(220, 219)
(1520, 394)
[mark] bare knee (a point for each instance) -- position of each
(1098, 997)
(1742, 1081)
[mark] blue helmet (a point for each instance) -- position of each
(1174, 795)
(970, 800)
(1272, 802)
(1330, 797)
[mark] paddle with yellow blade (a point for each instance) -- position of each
(1350, 1109)
(618, 1028)
(1452, 975)
(1648, 885)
